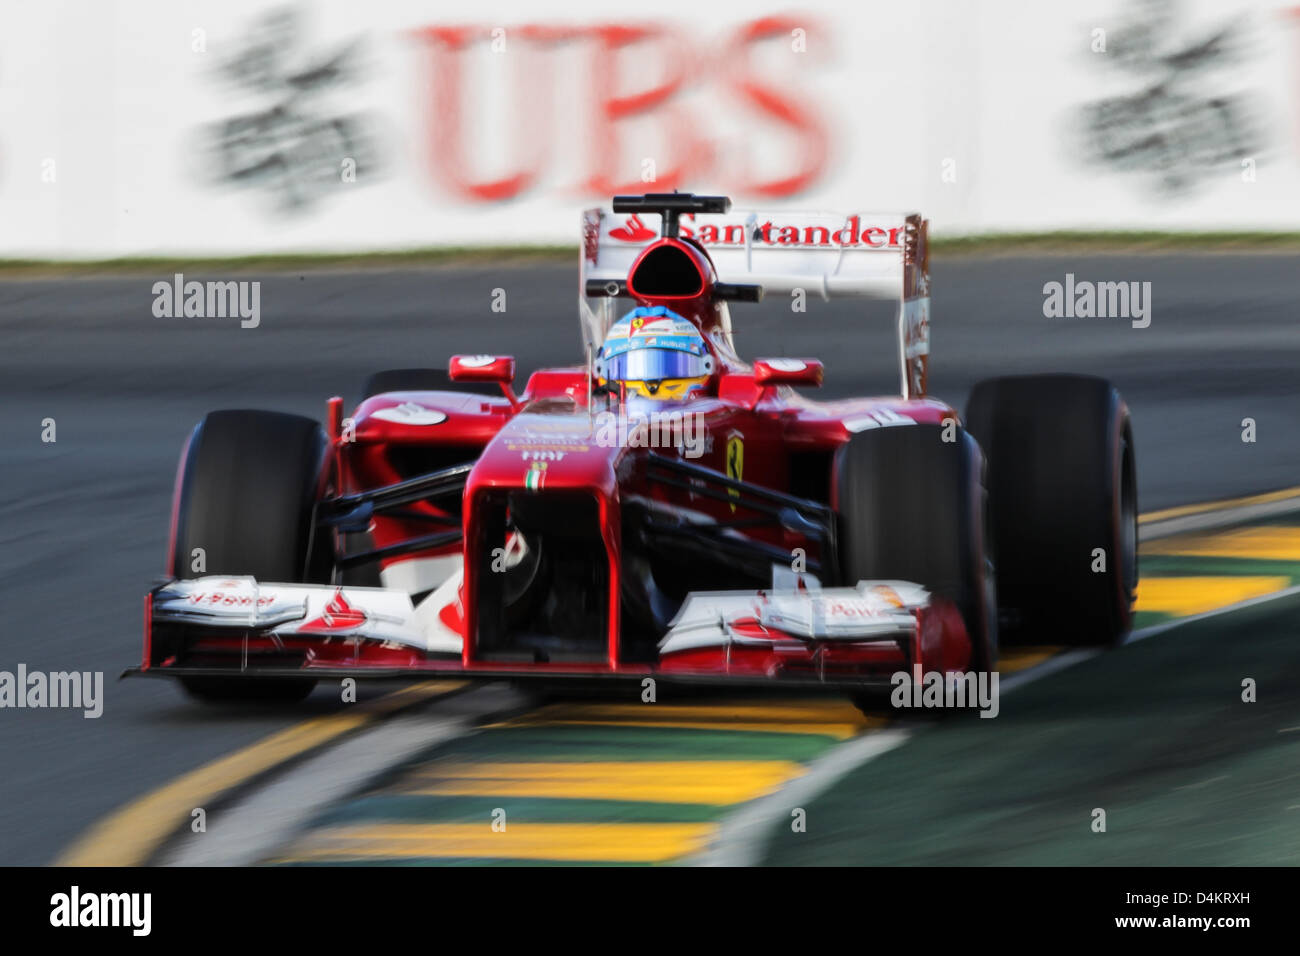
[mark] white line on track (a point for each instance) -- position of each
(250, 828)
(742, 838)
(1206, 521)
(1163, 626)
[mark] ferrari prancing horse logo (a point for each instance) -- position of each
(735, 462)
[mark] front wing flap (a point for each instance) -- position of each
(222, 625)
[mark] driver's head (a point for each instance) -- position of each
(656, 354)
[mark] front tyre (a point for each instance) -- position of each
(245, 502)
(911, 507)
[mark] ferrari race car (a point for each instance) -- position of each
(663, 509)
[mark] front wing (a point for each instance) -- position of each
(801, 635)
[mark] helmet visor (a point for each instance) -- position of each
(652, 365)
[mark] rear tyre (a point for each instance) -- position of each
(1062, 482)
(248, 488)
(911, 507)
(422, 380)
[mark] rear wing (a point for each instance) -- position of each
(857, 255)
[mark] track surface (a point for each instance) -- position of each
(85, 518)
(1156, 735)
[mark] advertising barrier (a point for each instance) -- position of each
(247, 126)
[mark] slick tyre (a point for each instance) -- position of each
(1062, 481)
(911, 507)
(245, 500)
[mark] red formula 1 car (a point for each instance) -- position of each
(664, 509)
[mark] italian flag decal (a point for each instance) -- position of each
(536, 475)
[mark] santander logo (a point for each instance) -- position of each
(634, 230)
(338, 615)
(772, 233)
(410, 413)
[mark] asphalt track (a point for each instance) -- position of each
(85, 517)
(1156, 735)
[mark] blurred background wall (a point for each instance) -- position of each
(143, 127)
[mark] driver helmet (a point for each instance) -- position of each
(654, 354)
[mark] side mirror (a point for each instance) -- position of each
(787, 371)
(482, 368)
